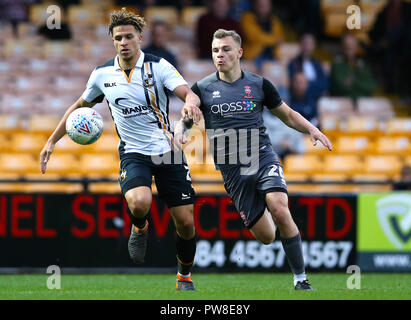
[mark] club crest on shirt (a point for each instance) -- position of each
(148, 80)
(247, 91)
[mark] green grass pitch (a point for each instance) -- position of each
(234, 286)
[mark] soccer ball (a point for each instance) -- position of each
(84, 125)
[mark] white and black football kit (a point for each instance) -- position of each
(138, 103)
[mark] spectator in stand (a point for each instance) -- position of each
(263, 32)
(15, 11)
(350, 76)
(301, 100)
(405, 180)
(216, 18)
(390, 46)
(158, 43)
(284, 140)
(311, 67)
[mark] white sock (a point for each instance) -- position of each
(299, 277)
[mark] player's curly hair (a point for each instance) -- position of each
(123, 17)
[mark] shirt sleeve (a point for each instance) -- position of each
(93, 92)
(170, 76)
(197, 91)
(272, 98)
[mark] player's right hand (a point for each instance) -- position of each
(45, 155)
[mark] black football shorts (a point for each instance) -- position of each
(248, 191)
(172, 180)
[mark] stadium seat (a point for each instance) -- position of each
(335, 106)
(168, 14)
(378, 107)
(26, 142)
(63, 164)
(85, 15)
(69, 85)
(104, 187)
(19, 163)
(38, 13)
(287, 51)
(43, 124)
(296, 177)
(99, 165)
(334, 5)
(195, 69)
(343, 164)
(34, 84)
(107, 143)
(57, 104)
(66, 145)
(276, 72)
(363, 177)
(330, 125)
(363, 126)
(398, 126)
(302, 164)
(353, 145)
(190, 15)
(21, 49)
(318, 149)
(329, 177)
(382, 164)
(335, 23)
(393, 145)
(10, 123)
(4, 143)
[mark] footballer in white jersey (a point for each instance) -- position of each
(134, 85)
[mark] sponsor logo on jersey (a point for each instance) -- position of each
(110, 85)
(228, 108)
(137, 110)
(216, 94)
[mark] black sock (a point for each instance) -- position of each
(138, 222)
(186, 250)
(294, 252)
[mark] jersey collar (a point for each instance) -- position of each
(139, 63)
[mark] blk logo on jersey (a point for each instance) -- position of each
(110, 85)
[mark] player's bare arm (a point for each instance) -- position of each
(191, 103)
(296, 121)
(190, 114)
(59, 132)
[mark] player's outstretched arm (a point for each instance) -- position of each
(191, 103)
(296, 121)
(58, 133)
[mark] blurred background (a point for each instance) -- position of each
(353, 84)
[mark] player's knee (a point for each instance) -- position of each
(185, 227)
(139, 206)
(281, 216)
(267, 238)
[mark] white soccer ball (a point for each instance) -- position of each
(84, 125)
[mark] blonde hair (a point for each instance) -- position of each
(222, 33)
(123, 17)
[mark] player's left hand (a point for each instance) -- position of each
(317, 135)
(191, 111)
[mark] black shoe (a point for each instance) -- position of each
(137, 244)
(303, 285)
